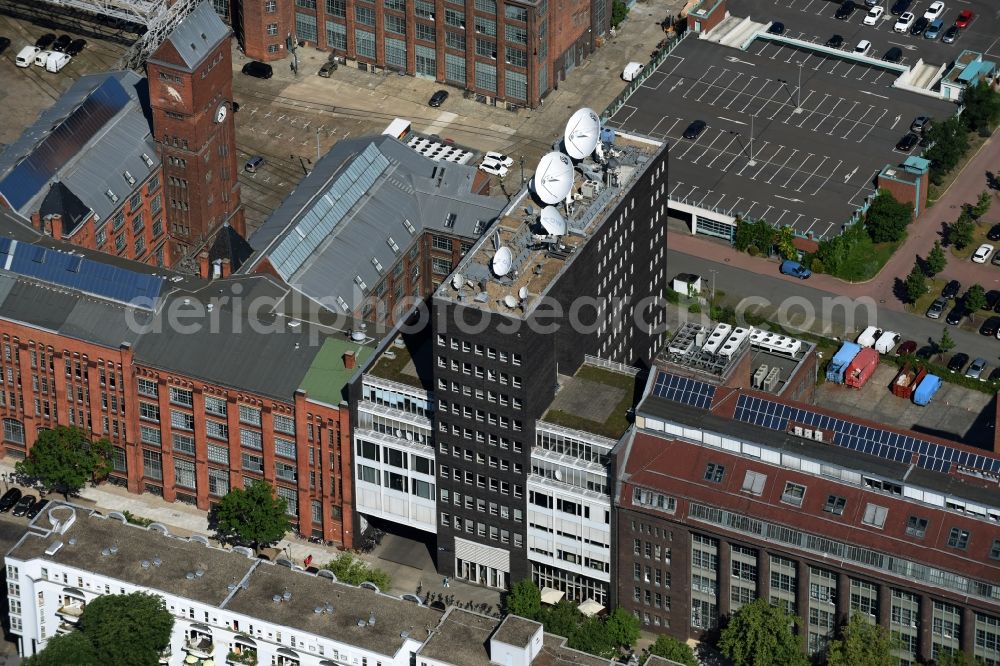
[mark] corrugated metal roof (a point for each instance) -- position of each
(342, 229)
(197, 34)
(99, 121)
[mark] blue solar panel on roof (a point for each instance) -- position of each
(75, 272)
(65, 140)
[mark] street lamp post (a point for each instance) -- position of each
(713, 272)
(522, 170)
(798, 89)
(752, 161)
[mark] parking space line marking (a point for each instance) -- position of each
(764, 216)
(803, 105)
(724, 150)
(849, 70)
(652, 130)
(693, 144)
(753, 157)
(717, 203)
(778, 170)
(736, 156)
(778, 221)
(799, 168)
(808, 4)
(709, 146)
(724, 90)
(809, 228)
(826, 96)
(733, 207)
(700, 201)
(763, 47)
(713, 83)
(737, 95)
(842, 117)
(679, 183)
(872, 126)
(633, 109)
(835, 63)
(829, 176)
(827, 116)
(859, 122)
(691, 191)
(766, 163)
(825, 158)
(753, 205)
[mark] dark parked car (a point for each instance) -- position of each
(907, 143)
(990, 326)
(835, 42)
(845, 10)
(992, 298)
(994, 232)
(37, 507)
(956, 315)
(958, 362)
(9, 499)
(695, 129)
(907, 348)
(895, 54)
(4, 43)
(900, 6)
(996, 259)
(257, 69)
(327, 69)
(45, 41)
(61, 43)
(438, 98)
(919, 26)
(920, 124)
(951, 34)
(76, 47)
(951, 289)
(995, 375)
(23, 505)
(777, 28)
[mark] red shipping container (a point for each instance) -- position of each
(861, 368)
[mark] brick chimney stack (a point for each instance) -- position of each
(349, 360)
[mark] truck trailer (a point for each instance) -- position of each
(838, 364)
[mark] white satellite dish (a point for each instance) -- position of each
(583, 130)
(553, 177)
(522, 293)
(553, 221)
(458, 281)
(502, 261)
(357, 336)
(510, 301)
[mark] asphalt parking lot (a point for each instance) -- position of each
(813, 21)
(815, 149)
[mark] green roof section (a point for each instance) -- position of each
(327, 378)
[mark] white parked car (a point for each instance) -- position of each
(498, 157)
(493, 167)
(934, 11)
(26, 56)
(982, 253)
(863, 47)
(56, 62)
(42, 57)
(905, 22)
(874, 14)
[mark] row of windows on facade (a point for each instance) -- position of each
(397, 400)
(494, 462)
(396, 481)
(481, 529)
(215, 406)
(468, 434)
(567, 534)
(121, 240)
(477, 371)
(457, 344)
(481, 505)
(570, 507)
(421, 8)
(571, 557)
(874, 515)
(480, 481)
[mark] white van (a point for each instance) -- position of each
(632, 70)
(886, 342)
(42, 57)
(26, 56)
(869, 336)
(56, 62)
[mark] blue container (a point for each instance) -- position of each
(838, 364)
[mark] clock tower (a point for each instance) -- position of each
(190, 93)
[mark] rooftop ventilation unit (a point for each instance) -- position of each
(54, 548)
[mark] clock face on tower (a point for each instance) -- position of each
(220, 113)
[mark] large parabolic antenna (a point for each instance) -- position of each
(583, 130)
(553, 178)
(502, 261)
(553, 222)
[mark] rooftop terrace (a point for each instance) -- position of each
(538, 258)
(407, 361)
(594, 400)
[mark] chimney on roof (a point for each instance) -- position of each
(349, 360)
(204, 269)
(56, 226)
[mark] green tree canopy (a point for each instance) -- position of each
(949, 142)
(936, 261)
(760, 634)
(961, 231)
(353, 571)
(957, 658)
(127, 628)
(63, 649)
(524, 599)
(916, 284)
(622, 627)
(758, 234)
(982, 107)
(65, 458)
(946, 343)
(251, 516)
(982, 205)
(887, 218)
(669, 647)
(561, 619)
(784, 239)
(619, 10)
(850, 256)
(591, 636)
(861, 643)
(974, 299)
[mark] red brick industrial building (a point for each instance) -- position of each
(503, 52)
(224, 395)
(729, 494)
